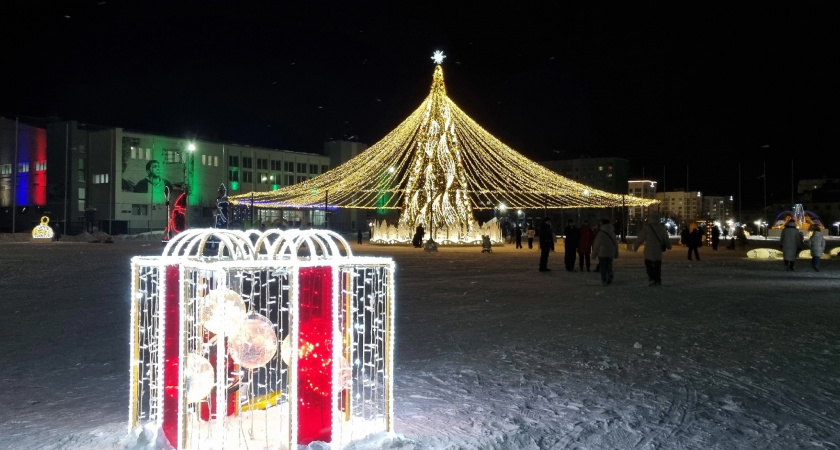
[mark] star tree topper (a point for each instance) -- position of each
(438, 56)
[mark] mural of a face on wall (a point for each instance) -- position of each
(147, 170)
(153, 181)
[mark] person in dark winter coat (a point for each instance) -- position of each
(518, 234)
(546, 243)
(685, 236)
(585, 246)
(695, 238)
(605, 248)
(572, 240)
(791, 242)
(417, 241)
(654, 237)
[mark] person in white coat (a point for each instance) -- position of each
(791, 242)
(654, 237)
(817, 245)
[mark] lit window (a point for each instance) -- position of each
(23, 167)
(215, 161)
(6, 169)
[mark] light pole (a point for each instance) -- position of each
(187, 160)
(764, 176)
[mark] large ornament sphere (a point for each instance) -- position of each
(222, 311)
(199, 377)
(255, 343)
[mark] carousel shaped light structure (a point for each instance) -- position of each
(207, 321)
(805, 220)
(437, 167)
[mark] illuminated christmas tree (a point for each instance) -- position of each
(437, 167)
(437, 186)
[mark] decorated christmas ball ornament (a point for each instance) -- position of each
(199, 377)
(222, 310)
(255, 343)
(286, 349)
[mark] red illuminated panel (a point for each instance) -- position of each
(171, 352)
(315, 342)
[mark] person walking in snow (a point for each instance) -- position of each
(546, 244)
(791, 242)
(572, 240)
(518, 234)
(531, 233)
(654, 237)
(695, 239)
(817, 246)
(605, 248)
(584, 249)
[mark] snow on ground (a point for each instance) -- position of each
(729, 353)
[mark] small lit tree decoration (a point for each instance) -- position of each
(207, 317)
(437, 167)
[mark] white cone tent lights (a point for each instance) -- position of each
(437, 168)
(275, 339)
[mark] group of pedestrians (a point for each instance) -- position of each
(584, 243)
(792, 242)
(580, 244)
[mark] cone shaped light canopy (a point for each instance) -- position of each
(437, 166)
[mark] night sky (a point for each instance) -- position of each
(685, 94)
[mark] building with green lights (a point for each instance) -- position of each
(84, 176)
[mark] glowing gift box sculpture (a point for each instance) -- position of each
(278, 339)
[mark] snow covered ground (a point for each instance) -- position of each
(729, 353)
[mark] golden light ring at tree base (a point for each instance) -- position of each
(765, 253)
(43, 231)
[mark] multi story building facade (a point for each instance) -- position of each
(682, 207)
(717, 208)
(114, 179)
(636, 216)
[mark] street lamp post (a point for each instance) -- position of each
(187, 161)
